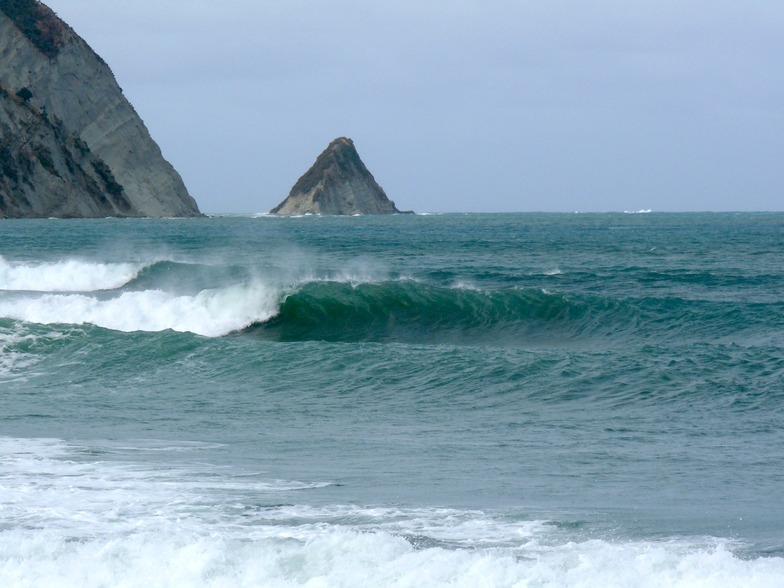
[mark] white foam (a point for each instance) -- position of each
(339, 557)
(212, 312)
(69, 520)
(68, 275)
(11, 359)
(16, 356)
(466, 285)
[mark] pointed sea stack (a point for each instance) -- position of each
(338, 183)
(71, 145)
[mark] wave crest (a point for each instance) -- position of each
(409, 311)
(216, 300)
(68, 275)
(210, 313)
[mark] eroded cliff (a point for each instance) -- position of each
(70, 142)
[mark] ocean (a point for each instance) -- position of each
(474, 400)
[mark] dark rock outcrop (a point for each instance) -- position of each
(70, 143)
(338, 183)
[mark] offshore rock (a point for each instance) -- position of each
(71, 145)
(338, 183)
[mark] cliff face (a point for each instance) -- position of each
(338, 183)
(70, 143)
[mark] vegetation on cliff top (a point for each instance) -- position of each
(38, 23)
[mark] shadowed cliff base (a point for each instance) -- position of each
(338, 183)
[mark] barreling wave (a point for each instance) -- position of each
(216, 300)
(413, 312)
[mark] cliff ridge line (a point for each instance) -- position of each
(70, 142)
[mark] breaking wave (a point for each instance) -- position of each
(411, 311)
(152, 296)
(216, 300)
(66, 276)
(211, 313)
(414, 312)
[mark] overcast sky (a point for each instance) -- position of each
(460, 105)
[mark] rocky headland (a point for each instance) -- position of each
(71, 145)
(338, 183)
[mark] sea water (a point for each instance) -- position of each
(444, 400)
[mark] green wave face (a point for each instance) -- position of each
(412, 312)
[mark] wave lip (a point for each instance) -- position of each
(70, 275)
(354, 307)
(414, 312)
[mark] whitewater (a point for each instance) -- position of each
(440, 400)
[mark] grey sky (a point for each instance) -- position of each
(460, 105)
